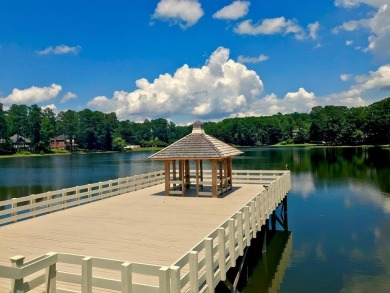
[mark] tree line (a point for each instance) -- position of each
(94, 130)
(330, 125)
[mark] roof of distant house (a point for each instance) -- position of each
(14, 139)
(60, 137)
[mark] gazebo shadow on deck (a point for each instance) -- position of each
(192, 193)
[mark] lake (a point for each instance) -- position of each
(338, 210)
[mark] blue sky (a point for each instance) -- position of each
(194, 59)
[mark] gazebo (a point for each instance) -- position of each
(197, 147)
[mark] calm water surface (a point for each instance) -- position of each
(338, 207)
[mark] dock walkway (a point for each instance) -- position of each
(170, 235)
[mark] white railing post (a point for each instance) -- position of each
(164, 280)
(258, 213)
(86, 275)
(51, 276)
(89, 193)
(247, 229)
(109, 188)
(194, 269)
(253, 219)
(126, 278)
(78, 195)
(222, 253)
(175, 279)
(14, 206)
(32, 202)
(63, 195)
(17, 285)
(232, 243)
(100, 190)
(240, 236)
(208, 246)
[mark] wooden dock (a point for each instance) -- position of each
(135, 240)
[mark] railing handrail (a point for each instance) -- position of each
(51, 201)
(251, 217)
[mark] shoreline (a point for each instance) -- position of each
(307, 145)
(67, 153)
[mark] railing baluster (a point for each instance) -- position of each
(208, 243)
(222, 253)
(127, 277)
(175, 279)
(86, 275)
(232, 243)
(194, 270)
(17, 285)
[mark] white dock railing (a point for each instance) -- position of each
(205, 265)
(199, 270)
(17, 209)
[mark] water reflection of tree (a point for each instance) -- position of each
(326, 164)
(366, 164)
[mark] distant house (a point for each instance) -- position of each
(131, 147)
(19, 141)
(61, 142)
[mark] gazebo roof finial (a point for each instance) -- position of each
(197, 128)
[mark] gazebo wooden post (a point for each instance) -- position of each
(167, 177)
(187, 173)
(197, 177)
(230, 171)
(181, 167)
(174, 172)
(214, 178)
(201, 173)
(220, 175)
(226, 173)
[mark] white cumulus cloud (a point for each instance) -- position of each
(271, 26)
(260, 58)
(50, 106)
(233, 11)
(60, 50)
(377, 24)
(379, 79)
(32, 95)
(355, 3)
(345, 77)
(217, 89)
(375, 80)
(313, 30)
(68, 96)
(299, 101)
(186, 13)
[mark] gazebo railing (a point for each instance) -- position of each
(223, 185)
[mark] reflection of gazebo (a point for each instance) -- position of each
(197, 147)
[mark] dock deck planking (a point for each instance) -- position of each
(140, 226)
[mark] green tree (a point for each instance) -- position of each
(17, 120)
(3, 125)
(118, 143)
(377, 121)
(5, 145)
(68, 123)
(34, 121)
(48, 127)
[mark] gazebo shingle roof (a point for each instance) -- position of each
(196, 145)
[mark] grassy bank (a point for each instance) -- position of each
(63, 152)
